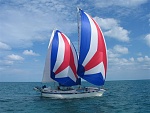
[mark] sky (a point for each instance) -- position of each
(26, 27)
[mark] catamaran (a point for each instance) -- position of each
(64, 66)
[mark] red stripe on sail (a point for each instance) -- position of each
(68, 58)
(95, 60)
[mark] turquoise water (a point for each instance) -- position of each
(120, 97)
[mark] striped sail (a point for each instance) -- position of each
(92, 64)
(61, 64)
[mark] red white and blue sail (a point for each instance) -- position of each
(62, 60)
(92, 64)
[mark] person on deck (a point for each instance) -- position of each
(43, 86)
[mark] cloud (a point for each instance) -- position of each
(118, 33)
(113, 29)
(140, 59)
(30, 52)
(6, 62)
(116, 58)
(143, 62)
(106, 23)
(112, 54)
(147, 39)
(34, 21)
(20, 30)
(15, 57)
(131, 59)
(120, 62)
(122, 3)
(143, 59)
(4, 46)
(117, 51)
(121, 49)
(10, 60)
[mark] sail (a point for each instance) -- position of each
(92, 64)
(62, 60)
(46, 72)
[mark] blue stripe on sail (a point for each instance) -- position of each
(85, 37)
(96, 79)
(54, 50)
(66, 81)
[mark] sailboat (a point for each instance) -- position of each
(64, 66)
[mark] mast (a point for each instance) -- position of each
(78, 20)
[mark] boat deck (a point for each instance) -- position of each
(70, 91)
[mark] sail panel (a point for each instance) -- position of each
(63, 60)
(93, 57)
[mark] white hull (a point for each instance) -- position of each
(72, 94)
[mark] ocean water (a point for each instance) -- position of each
(120, 97)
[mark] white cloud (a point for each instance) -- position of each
(113, 29)
(123, 3)
(120, 62)
(118, 33)
(4, 46)
(6, 62)
(147, 58)
(147, 39)
(144, 59)
(34, 21)
(121, 49)
(107, 23)
(30, 52)
(130, 3)
(22, 29)
(112, 54)
(140, 59)
(143, 62)
(15, 57)
(139, 63)
(117, 51)
(131, 59)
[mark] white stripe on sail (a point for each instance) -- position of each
(67, 72)
(97, 69)
(52, 36)
(94, 42)
(60, 53)
(71, 74)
